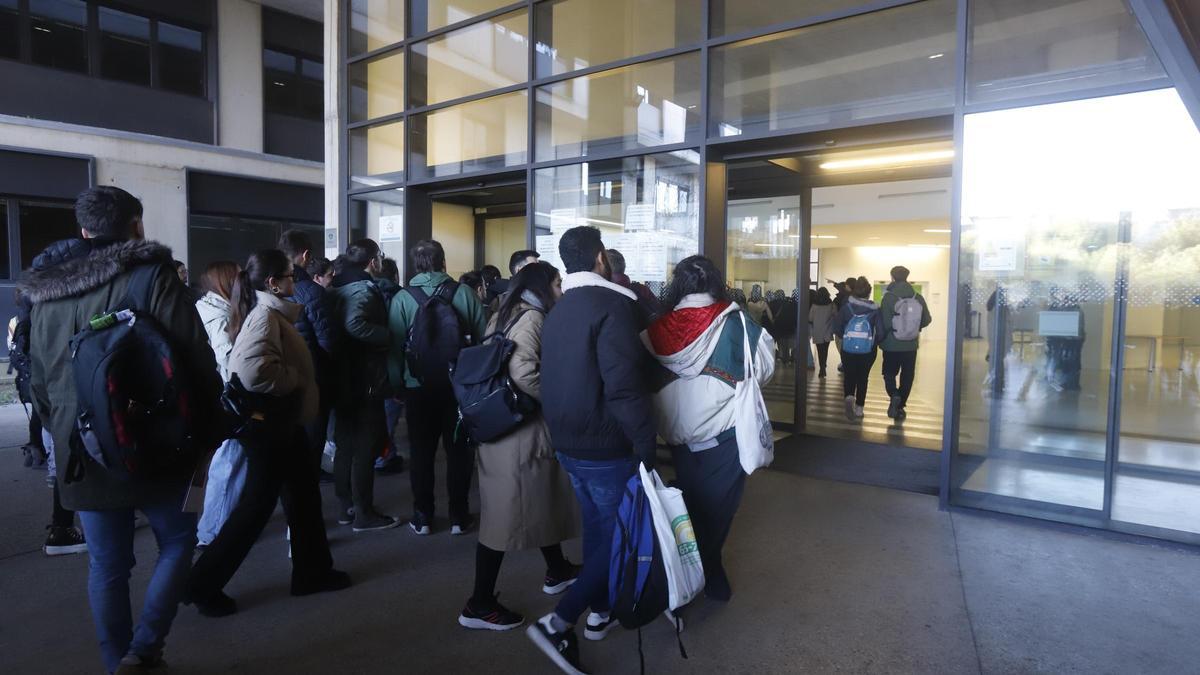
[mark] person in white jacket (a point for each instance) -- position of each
(701, 343)
(227, 469)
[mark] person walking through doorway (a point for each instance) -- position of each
(821, 316)
(905, 315)
(859, 326)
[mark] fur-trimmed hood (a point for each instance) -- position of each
(103, 264)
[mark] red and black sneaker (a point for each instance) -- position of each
(489, 616)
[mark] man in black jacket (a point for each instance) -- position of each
(596, 405)
(316, 327)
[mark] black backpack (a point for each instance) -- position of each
(135, 418)
(435, 337)
(490, 406)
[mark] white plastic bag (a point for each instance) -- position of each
(676, 538)
(755, 437)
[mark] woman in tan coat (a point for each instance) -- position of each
(526, 497)
(272, 362)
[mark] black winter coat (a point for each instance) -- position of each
(315, 323)
(594, 383)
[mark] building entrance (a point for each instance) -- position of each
(481, 224)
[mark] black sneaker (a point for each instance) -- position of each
(333, 580)
(420, 523)
(35, 457)
(900, 413)
(391, 465)
(489, 616)
(598, 626)
(561, 648)
(558, 581)
(64, 541)
(460, 525)
(374, 521)
(137, 663)
(346, 516)
(217, 606)
(894, 407)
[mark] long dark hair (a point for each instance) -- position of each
(260, 266)
(537, 278)
(696, 274)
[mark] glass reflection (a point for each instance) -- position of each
(491, 133)
(376, 87)
(380, 216)
(577, 34)
(377, 154)
(375, 24)
(488, 55)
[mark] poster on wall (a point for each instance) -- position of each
(998, 250)
(391, 228)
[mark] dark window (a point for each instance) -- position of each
(10, 30)
(43, 224)
(4, 271)
(59, 36)
(312, 89)
(124, 46)
(180, 59)
(280, 82)
(213, 238)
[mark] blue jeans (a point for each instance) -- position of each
(599, 486)
(226, 479)
(110, 545)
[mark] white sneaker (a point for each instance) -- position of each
(598, 626)
(858, 411)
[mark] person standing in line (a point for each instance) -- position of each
(701, 341)
(526, 500)
(227, 468)
(860, 327)
(360, 365)
(596, 405)
(320, 270)
(905, 315)
(516, 262)
(390, 461)
(273, 363)
(430, 406)
(64, 296)
(820, 320)
(650, 307)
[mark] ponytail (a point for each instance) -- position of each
(242, 301)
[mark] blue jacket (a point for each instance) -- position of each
(315, 323)
(854, 307)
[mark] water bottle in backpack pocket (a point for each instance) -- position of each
(859, 335)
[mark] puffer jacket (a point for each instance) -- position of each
(271, 357)
(214, 312)
(361, 354)
(314, 323)
(65, 296)
(702, 343)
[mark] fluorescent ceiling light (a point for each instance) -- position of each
(937, 231)
(887, 160)
(936, 56)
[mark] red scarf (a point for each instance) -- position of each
(681, 327)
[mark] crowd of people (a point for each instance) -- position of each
(286, 353)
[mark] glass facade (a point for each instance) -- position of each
(1066, 331)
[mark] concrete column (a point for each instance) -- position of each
(334, 144)
(240, 75)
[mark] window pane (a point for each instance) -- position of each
(180, 59)
(10, 30)
(575, 34)
(4, 271)
(434, 14)
(124, 46)
(380, 216)
(376, 87)
(1033, 47)
(488, 55)
(377, 154)
(375, 24)
(312, 90)
(735, 16)
(280, 83)
(60, 33)
(889, 63)
(487, 134)
(42, 225)
(643, 105)
(646, 207)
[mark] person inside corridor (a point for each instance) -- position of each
(758, 308)
(421, 365)
(97, 269)
(596, 405)
(821, 315)
(702, 342)
(649, 306)
(272, 362)
(516, 262)
(361, 385)
(227, 468)
(784, 327)
(526, 500)
(860, 328)
(905, 315)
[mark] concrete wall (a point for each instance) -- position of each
(501, 238)
(454, 227)
(239, 75)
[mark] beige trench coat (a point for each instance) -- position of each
(526, 497)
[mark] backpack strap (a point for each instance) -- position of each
(417, 294)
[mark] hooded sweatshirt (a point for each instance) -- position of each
(701, 343)
(856, 307)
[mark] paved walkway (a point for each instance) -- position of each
(829, 577)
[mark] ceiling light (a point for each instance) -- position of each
(936, 56)
(937, 231)
(824, 236)
(888, 160)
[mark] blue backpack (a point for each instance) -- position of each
(859, 336)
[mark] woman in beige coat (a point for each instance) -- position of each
(526, 498)
(270, 359)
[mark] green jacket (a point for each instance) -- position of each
(887, 309)
(360, 316)
(404, 309)
(65, 297)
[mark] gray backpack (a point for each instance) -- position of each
(906, 319)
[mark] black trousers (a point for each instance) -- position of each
(856, 371)
(359, 431)
(822, 354)
(903, 364)
(712, 482)
(432, 418)
(277, 466)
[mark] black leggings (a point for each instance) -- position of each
(823, 354)
(487, 569)
(856, 370)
